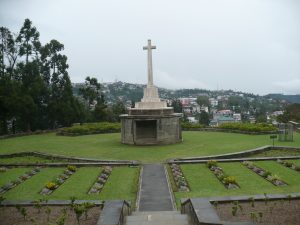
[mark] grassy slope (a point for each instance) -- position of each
(122, 184)
(30, 189)
(203, 183)
(108, 146)
(78, 184)
(12, 174)
(26, 159)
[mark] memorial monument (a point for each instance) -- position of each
(151, 122)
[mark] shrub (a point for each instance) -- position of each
(92, 128)
(187, 125)
(249, 127)
(297, 168)
(211, 163)
(266, 174)
(229, 180)
(51, 185)
(71, 168)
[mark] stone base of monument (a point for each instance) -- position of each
(151, 126)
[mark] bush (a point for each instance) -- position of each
(187, 125)
(211, 163)
(92, 128)
(249, 127)
(51, 185)
(71, 168)
(266, 174)
(229, 180)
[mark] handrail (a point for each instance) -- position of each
(127, 212)
(114, 212)
(190, 211)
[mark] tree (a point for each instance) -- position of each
(204, 118)
(28, 39)
(203, 100)
(292, 112)
(176, 104)
(91, 91)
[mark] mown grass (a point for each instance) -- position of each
(78, 184)
(12, 174)
(122, 184)
(276, 153)
(26, 159)
(31, 188)
(108, 146)
(203, 182)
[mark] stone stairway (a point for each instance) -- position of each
(157, 218)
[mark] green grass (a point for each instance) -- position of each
(26, 159)
(203, 182)
(31, 188)
(122, 184)
(108, 146)
(277, 153)
(78, 184)
(12, 174)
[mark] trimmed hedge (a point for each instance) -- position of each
(249, 127)
(91, 128)
(187, 125)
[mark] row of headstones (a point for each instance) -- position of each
(95, 189)
(179, 178)
(230, 181)
(53, 185)
(274, 179)
(6, 187)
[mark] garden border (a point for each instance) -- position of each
(238, 155)
(79, 160)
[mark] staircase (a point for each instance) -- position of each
(157, 218)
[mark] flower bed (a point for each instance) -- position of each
(289, 165)
(273, 178)
(179, 178)
(53, 185)
(101, 180)
(228, 181)
(6, 187)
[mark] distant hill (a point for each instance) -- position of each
(288, 98)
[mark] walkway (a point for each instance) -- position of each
(155, 194)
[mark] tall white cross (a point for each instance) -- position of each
(150, 71)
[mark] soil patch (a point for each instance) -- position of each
(278, 212)
(11, 216)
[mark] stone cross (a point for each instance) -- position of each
(150, 71)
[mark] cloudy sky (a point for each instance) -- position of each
(246, 45)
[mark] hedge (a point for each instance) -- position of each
(91, 128)
(250, 127)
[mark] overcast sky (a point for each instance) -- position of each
(247, 45)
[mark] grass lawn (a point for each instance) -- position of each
(203, 182)
(122, 184)
(78, 184)
(31, 188)
(12, 174)
(26, 159)
(108, 146)
(276, 153)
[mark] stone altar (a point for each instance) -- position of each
(151, 122)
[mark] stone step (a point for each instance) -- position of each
(155, 212)
(158, 218)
